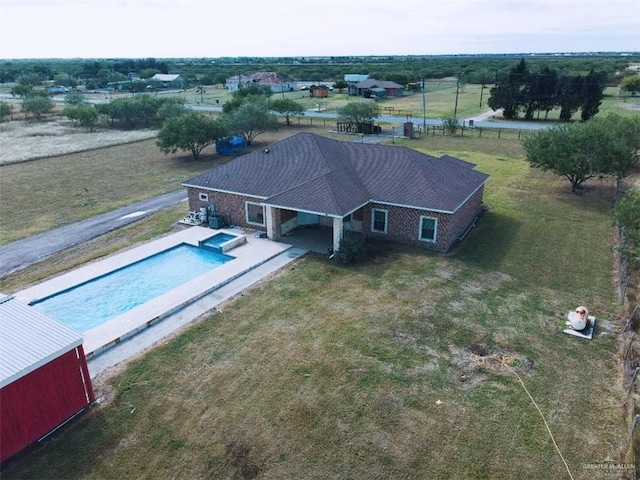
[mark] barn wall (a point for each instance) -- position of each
(37, 403)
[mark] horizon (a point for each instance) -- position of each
(122, 29)
(338, 57)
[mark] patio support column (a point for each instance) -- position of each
(270, 217)
(338, 232)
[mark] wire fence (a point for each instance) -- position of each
(629, 353)
(433, 130)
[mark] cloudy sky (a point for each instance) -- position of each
(274, 28)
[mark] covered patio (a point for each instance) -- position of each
(314, 239)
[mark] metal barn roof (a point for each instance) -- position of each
(29, 339)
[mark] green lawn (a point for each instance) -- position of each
(401, 367)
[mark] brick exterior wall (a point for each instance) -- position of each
(402, 223)
(229, 205)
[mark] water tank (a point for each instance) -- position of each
(203, 214)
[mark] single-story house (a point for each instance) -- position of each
(277, 82)
(168, 80)
(392, 89)
(380, 191)
(44, 379)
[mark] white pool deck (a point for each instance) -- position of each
(199, 294)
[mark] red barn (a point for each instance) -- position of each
(44, 379)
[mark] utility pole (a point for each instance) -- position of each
(424, 109)
(455, 108)
(481, 91)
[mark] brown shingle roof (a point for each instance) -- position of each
(373, 83)
(320, 175)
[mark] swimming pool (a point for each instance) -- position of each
(223, 242)
(248, 256)
(218, 239)
(92, 303)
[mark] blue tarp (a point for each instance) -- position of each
(229, 145)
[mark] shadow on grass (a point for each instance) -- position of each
(489, 242)
(92, 435)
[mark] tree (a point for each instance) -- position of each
(5, 110)
(37, 105)
(123, 109)
(148, 72)
(580, 151)
(630, 84)
(450, 125)
(569, 96)
(64, 80)
(251, 93)
(617, 146)
(86, 115)
(191, 131)
(132, 110)
(542, 93)
(148, 106)
(627, 216)
(253, 89)
(508, 94)
(250, 119)
(340, 85)
(562, 151)
(287, 107)
(358, 112)
(74, 98)
(20, 90)
(170, 107)
(591, 96)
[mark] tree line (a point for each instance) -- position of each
(531, 93)
(96, 73)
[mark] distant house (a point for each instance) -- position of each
(378, 191)
(367, 87)
(319, 91)
(277, 82)
(44, 379)
(168, 80)
(52, 90)
(355, 77)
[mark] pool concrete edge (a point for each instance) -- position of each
(247, 257)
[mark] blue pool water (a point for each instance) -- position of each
(90, 304)
(218, 239)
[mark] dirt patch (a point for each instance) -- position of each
(474, 364)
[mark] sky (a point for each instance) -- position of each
(308, 28)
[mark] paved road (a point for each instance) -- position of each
(482, 121)
(22, 253)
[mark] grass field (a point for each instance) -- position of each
(406, 366)
(47, 193)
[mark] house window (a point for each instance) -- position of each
(255, 213)
(428, 229)
(379, 220)
(204, 197)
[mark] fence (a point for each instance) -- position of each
(629, 353)
(495, 133)
(506, 133)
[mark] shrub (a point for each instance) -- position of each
(352, 250)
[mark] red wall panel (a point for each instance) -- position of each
(37, 403)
